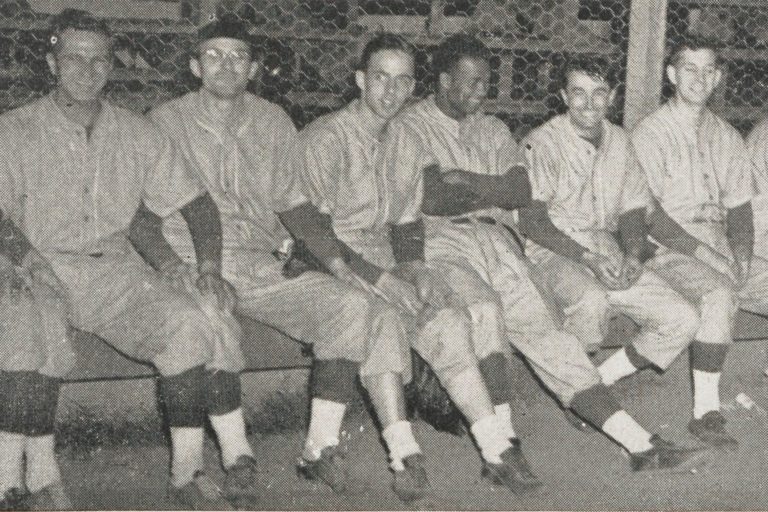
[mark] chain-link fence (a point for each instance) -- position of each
(308, 47)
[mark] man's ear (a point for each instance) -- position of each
(196, 68)
(50, 58)
(360, 79)
(445, 80)
(565, 97)
(672, 74)
(718, 76)
(612, 95)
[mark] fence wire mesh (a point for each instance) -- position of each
(308, 47)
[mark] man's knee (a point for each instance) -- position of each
(189, 341)
(680, 317)
(488, 331)
(445, 343)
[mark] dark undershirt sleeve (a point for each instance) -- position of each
(408, 241)
(535, 223)
(509, 191)
(445, 199)
(146, 234)
(13, 243)
(359, 265)
(740, 228)
(669, 233)
(633, 232)
(305, 222)
(204, 222)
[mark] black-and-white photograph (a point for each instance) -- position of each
(384, 255)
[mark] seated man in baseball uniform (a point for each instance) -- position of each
(699, 170)
(237, 144)
(73, 170)
(35, 352)
(337, 157)
(587, 233)
(467, 174)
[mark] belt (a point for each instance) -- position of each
(481, 218)
(491, 221)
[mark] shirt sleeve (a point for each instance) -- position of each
(286, 186)
(508, 153)
(635, 192)
(404, 158)
(650, 157)
(542, 169)
(736, 178)
(10, 180)
(169, 184)
(757, 146)
(318, 164)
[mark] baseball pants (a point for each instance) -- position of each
(667, 320)
(485, 268)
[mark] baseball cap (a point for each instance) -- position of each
(228, 26)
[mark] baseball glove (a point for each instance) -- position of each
(426, 398)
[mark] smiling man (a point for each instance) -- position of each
(587, 230)
(699, 171)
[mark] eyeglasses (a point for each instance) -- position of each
(236, 56)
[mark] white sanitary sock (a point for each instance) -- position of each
(186, 454)
(42, 467)
(400, 442)
(11, 461)
(230, 431)
(616, 367)
(627, 432)
(490, 438)
(325, 422)
(504, 415)
(706, 392)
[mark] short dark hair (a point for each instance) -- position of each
(381, 42)
(693, 42)
(229, 26)
(598, 68)
(453, 49)
(76, 19)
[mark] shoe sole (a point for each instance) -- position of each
(306, 474)
(518, 488)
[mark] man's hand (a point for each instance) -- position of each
(743, 264)
(400, 293)
(40, 270)
(605, 269)
(631, 270)
(717, 261)
(179, 275)
(430, 285)
(223, 290)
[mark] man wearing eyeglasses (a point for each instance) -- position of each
(237, 144)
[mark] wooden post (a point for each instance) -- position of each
(645, 59)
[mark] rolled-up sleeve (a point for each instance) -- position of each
(318, 162)
(404, 158)
(736, 177)
(542, 169)
(287, 189)
(650, 156)
(635, 193)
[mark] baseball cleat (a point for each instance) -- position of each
(411, 483)
(201, 493)
(666, 456)
(240, 483)
(51, 497)
(514, 472)
(710, 429)
(328, 469)
(15, 499)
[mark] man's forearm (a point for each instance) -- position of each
(445, 199)
(669, 233)
(740, 230)
(536, 224)
(204, 222)
(633, 232)
(509, 191)
(315, 229)
(13, 243)
(146, 234)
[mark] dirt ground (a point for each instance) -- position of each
(581, 471)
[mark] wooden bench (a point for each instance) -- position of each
(267, 349)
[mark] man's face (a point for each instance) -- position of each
(695, 75)
(82, 62)
(588, 99)
(387, 82)
(225, 66)
(466, 85)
